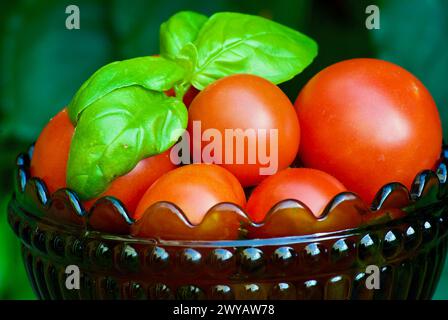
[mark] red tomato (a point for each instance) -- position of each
(368, 122)
(130, 188)
(50, 155)
(247, 102)
(312, 187)
(49, 162)
(194, 189)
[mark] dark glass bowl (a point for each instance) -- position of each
(409, 252)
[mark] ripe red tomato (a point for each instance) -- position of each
(194, 189)
(247, 102)
(130, 188)
(312, 187)
(368, 122)
(50, 155)
(49, 162)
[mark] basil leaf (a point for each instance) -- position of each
(180, 29)
(152, 73)
(230, 43)
(117, 131)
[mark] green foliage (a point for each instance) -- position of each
(117, 131)
(43, 63)
(230, 43)
(177, 31)
(151, 73)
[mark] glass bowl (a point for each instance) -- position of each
(409, 252)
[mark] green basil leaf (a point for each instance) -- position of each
(187, 58)
(180, 29)
(230, 43)
(117, 131)
(152, 73)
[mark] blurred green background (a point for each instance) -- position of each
(42, 63)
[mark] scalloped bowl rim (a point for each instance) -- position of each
(285, 240)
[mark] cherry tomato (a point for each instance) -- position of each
(49, 162)
(368, 122)
(51, 150)
(312, 187)
(130, 187)
(247, 102)
(194, 189)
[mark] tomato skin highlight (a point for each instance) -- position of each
(50, 156)
(194, 188)
(368, 122)
(312, 187)
(244, 102)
